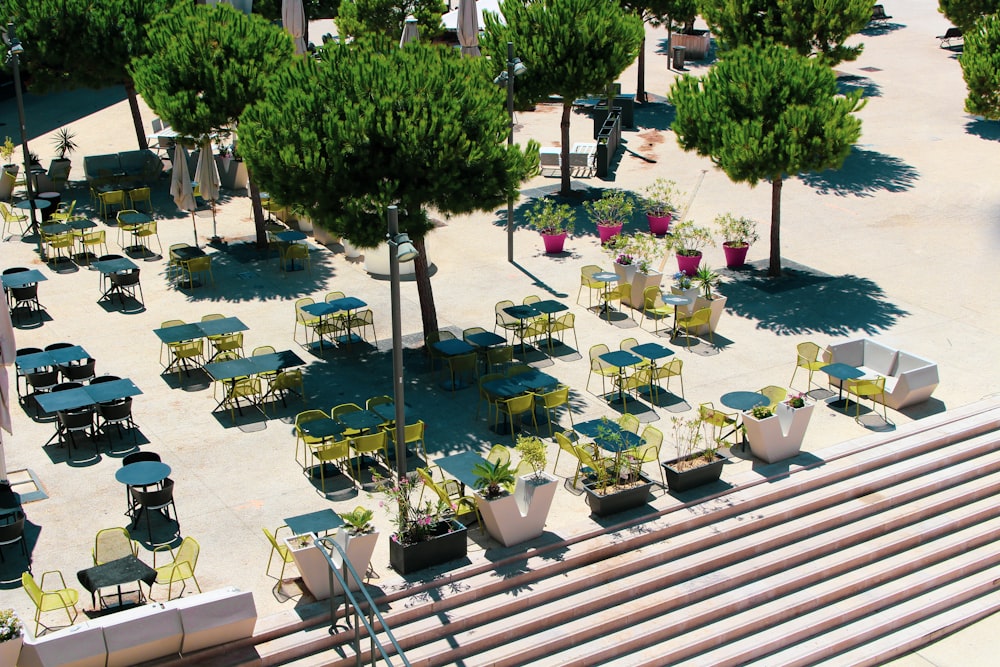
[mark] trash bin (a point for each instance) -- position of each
(678, 52)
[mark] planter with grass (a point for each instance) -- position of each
(688, 240)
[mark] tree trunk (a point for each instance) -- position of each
(258, 210)
(566, 188)
(774, 268)
(428, 312)
(133, 103)
(640, 85)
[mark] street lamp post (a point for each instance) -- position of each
(514, 68)
(400, 250)
(14, 55)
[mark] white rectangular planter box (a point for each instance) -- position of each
(519, 516)
(779, 436)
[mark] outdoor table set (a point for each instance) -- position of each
(84, 398)
(115, 574)
(743, 401)
(461, 467)
(181, 333)
(21, 286)
(230, 371)
(335, 316)
(528, 312)
(449, 349)
(533, 381)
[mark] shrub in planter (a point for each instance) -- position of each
(738, 234)
(610, 212)
(661, 205)
(698, 461)
(553, 221)
(688, 240)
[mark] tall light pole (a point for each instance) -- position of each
(14, 55)
(400, 250)
(514, 68)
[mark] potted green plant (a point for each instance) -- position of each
(633, 256)
(610, 212)
(698, 460)
(11, 637)
(553, 221)
(63, 143)
(683, 285)
(357, 539)
(426, 534)
(775, 435)
(688, 240)
(618, 484)
(738, 234)
(7, 153)
(706, 281)
(513, 517)
(660, 201)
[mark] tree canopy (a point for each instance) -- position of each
(570, 48)
(980, 62)
(810, 27)
(83, 43)
(361, 18)
(656, 13)
(315, 9)
(764, 112)
(364, 128)
(965, 13)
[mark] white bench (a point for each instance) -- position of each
(582, 159)
(909, 379)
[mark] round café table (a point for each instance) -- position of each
(143, 473)
(606, 277)
(743, 401)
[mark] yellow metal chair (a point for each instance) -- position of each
(361, 320)
(51, 599)
(284, 553)
(565, 442)
(175, 267)
(109, 199)
(338, 451)
(600, 367)
(144, 233)
(562, 324)
(436, 337)
(775, 394)
(717, 421)
(499, 454)
(652, 304)
(342, 409)
(870, 388)
(486, 396)
(296, 251)
(629, 422)
(371, 443)
(412, 433)
(301, 436)
(450, 491)
(95, 240)
(180, 569)
(137, 195)
(11, 216)
(232, 342)
(553, 400)
(620, 293)
(187, 351)
(198, 266)
(590, 462)
(126, 227)
(461, 365)
(303, 318)
(808, 358)
(287, 381)
(587, 281)
(508, 323)
(499, 357)
(111, 544)
(693, 321)
(516, 407)
(63, 212)
(649, 451)
(58, 244)
(672, 368)
(245, 388)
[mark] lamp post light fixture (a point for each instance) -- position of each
(506, 78)
(14, 57)
(400, 250)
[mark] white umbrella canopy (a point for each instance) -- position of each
(450, 20)
(180, 186)
(207, 177)
(468, 27)
(293, 18)
(410, 32)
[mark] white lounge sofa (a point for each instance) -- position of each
(909, 379)
(145, 633)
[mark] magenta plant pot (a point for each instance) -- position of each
(689, 263)
(607, 231)
(658, 225)
(735, 255)
(554, 243)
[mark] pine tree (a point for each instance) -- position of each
(83, 44)
(980, 62)
(570, 48)
(765, 112)
(364, 128)
(965, 13)
(657, 13)
(810, 27)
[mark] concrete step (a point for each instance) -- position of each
(479, 638)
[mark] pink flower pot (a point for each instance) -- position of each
(554, 243)
(658, 225)
(689, 263)
(607, 231)
(735, 255)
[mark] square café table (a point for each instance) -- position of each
(621, 360)
(27, 363)
(461, 466)
(117, 573)
(92, 394)
(321, 521)
(22, 278)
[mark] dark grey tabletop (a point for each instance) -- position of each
(608, 435)
(219, 327)
(114, 265)
(523, 311)
(64, 355)
(322, 428)
(460, 466)
(92, 394)
(115, 573)
(842, 371)
(743, 400)
(550, 306)
(453, 347)
(361, 420)
(176, 334)
(22, 278)
(321, 521)
(485, 339)
(143, 473)
(620, 358)
(652, 351)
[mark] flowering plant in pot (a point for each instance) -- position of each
(553, 221)
(739, 235)
(11, 637)
(633, 255)
(688, 240)
(610, 212)
(660, 198)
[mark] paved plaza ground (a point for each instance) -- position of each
(899, 245)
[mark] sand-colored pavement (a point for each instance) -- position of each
(899, 245)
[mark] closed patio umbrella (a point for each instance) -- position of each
(293, 18)
(180, 186)
(410, 32)
(207, 177)
(468, 27)
(8, 351)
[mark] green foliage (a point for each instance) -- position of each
(532, 450)
(7, 149)
(688, 238)
(315, 9)
(63, 142)
(365, 18)
(81, 43)
(761, 412)
(207, 63)
(613, 208)
(965, 13)
(707, 279)
(980, 62)
(494, 477)
(359, 520)
(570, 48)
(661, 197)
(806, 26)
(548, 217)
(362, 128)
(658, 12)
(737, 231)
(763, 112)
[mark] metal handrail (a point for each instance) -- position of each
(351, 602)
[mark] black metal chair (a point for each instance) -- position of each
(159, 500)
(22, 374)
(14, 532)
(79, 372)
(75, 421)
(24, 296)
(136, 457)
(126, 283)
(115, 414)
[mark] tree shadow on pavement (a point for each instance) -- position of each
(803, 301)
(984, 129)
(864, 173)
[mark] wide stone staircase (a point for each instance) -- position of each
(878, 547)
